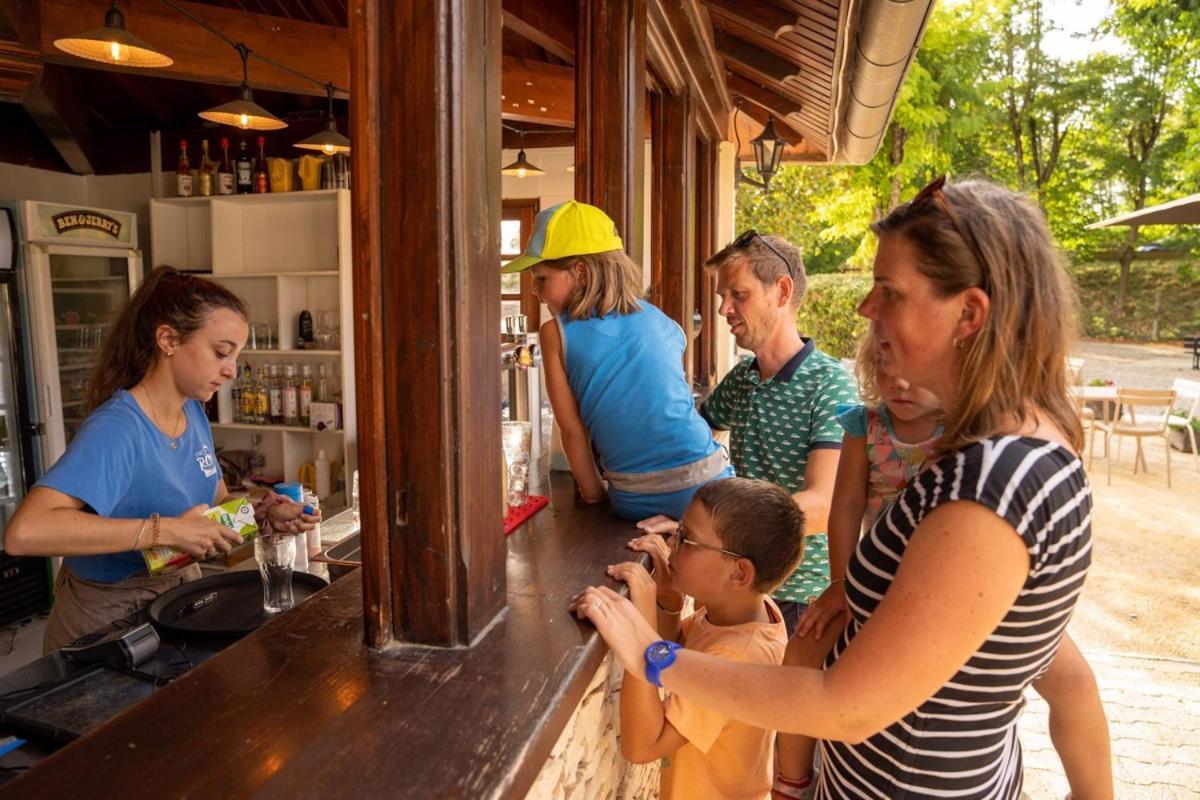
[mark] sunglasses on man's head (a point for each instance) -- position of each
(745, 240)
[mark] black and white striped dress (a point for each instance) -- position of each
(962, 741)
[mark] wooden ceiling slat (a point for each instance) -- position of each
(782, 106)
(807, 38)
(766, 14)
(816, 106)
(817, 7)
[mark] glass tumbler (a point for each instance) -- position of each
(516, 441)
(276, 554)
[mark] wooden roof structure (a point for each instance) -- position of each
(796, 60)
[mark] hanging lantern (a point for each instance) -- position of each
(112, 44)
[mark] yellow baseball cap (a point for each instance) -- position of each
(567, 229)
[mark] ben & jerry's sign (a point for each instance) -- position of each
(87, 220)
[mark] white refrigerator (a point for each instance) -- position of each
(80, 267)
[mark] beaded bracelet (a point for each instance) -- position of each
(667, 610)
(154, 531)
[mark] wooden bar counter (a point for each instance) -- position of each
(302, 708)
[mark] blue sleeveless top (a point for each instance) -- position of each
(626, 372)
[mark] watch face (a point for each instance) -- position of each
(658, 652)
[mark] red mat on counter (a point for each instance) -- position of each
(518, 514)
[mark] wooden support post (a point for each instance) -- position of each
(706, 246)
(674, 210)
(426, 138)
(610, 89)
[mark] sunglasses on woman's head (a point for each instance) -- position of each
(933, 195)
(744, 241)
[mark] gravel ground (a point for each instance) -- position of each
(1137, 618)
(1136, 366)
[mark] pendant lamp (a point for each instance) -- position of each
(328, 141)
(244, 113)
(521, 168)
(112, 44)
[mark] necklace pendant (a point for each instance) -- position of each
(174, 444)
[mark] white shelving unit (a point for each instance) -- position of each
(282, 253)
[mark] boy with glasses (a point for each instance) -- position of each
(737, 541)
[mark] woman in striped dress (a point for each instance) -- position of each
(960, 592)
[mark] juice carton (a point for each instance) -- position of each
(236, 513)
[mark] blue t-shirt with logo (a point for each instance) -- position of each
(120, 465)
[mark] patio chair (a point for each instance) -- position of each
(1143, 413)
(1075, 371)
(1187, 395)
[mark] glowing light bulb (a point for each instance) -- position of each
(521, 172)
(328, 149)
(115, 49)
(245, 121)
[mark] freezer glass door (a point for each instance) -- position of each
(11, 464)
(89, 292)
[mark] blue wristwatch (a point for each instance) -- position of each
(659, 656)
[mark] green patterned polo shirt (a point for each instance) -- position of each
(773, 425)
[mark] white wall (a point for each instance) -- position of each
(558, 186)
(118, 192)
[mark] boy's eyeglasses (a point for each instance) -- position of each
(680, 538)
(743, 241)
(933, 195)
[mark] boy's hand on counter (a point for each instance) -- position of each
(642, 591)
(197, 535)
(660, 553)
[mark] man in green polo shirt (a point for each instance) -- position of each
(779, 406)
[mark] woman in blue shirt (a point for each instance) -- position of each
(142, 467)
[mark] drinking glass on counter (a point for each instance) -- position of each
(516, 439)
(276, 553)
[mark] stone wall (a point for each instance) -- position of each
(586, 762)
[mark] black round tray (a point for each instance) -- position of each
(235, 611)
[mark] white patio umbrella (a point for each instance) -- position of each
(1184, 211)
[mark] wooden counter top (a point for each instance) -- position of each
(302, 709)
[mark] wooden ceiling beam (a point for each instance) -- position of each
(20, 20)
(19, 69)
(754, 57)
(534, 91)
(321, 51)
(62, 117)
(768, 98)
(783, 128)
(682, 32)
(549, 25)
(766, 15)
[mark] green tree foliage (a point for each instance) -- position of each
(986, 97)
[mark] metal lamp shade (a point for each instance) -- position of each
(522, 168)
(328, 141)
(244, 113)
(112, 44)
(768, 151)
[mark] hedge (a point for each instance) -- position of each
(829, 312)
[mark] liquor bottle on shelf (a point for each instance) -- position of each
(245, 169)
(275, 393)
(262, 403)
(225, 174)
(322, 393)
(306, 394)
(206, 174)
(260, 168)
(235, 395)
(183, 174)
(291, 398)
(249, 406)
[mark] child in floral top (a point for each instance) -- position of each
(886, 441)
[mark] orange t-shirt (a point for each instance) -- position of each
(723, 759)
